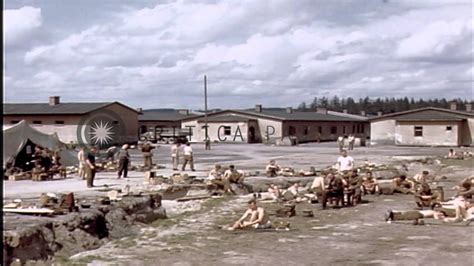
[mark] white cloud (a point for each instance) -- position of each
(273, 52)
(19, 23)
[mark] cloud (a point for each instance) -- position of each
(276, 53)
(20, 23)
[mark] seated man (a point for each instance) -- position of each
(355, 182)
(233, 175)
(272, 169)
(424, 196)
(452, 154)
(419, 179)
(369, 184)
(236, 177)
(334, 190)
(402, 185)
(274, 191)
(216, 178)
(254, 217)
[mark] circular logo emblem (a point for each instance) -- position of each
(102, 129)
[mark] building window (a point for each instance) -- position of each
(15, 122)
(418, 131)
(291, 130)
(333, 130)
(343, 129)
(362, 127)
(449, 128)
(227, 131)
(37, 122)
(320, 129)
(354, 128)
(59, 122)
(115, 122)
(306, 130)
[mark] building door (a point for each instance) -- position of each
(251, 135)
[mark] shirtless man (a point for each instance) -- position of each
(274, 191)
(369, 184)
(216, 177)
(272, 169)
(255, 217)
(402, 185)
(424, 196)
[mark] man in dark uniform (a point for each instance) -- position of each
(90, 166)
(124, 160)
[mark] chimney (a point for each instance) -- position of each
(140, 110)
(468, 107)
(258, 108)
(363, 113)
(379, 113)
(453, 106)
(53, 100)
(323, 111)
(344, 111)
(289, 110)
(183, 111)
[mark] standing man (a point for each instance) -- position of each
(340, 142)
(344, 162)
(188, 157)
(351, 141)
(318, 137)
(89, 166)
(82, 161)
(124, 160)
(208, 144)
(147, 151)
(175, 155)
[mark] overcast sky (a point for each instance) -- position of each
(154, 54)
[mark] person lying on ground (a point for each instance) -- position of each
(311, 172)
(369, 184)
(464, 212)
(402, 185)
(272, 169)
(216, 178)
(392, 215)
(424, 196)
(254, 217)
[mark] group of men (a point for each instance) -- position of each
(188, 156)
(223, 179)
(88, 166)
(459, 208)
(350, 141)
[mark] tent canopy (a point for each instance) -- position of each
(16, 138)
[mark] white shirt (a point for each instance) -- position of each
(345, 163)
(188, 150)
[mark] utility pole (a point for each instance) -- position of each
(207, 140)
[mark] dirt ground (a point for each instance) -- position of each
(349, 236)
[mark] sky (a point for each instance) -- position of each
(154, 54)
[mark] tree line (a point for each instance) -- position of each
(372, 106)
